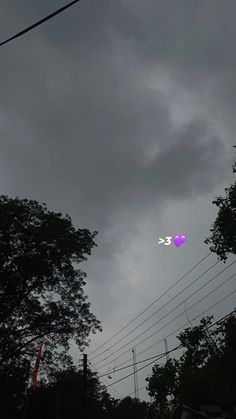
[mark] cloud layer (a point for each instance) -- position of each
(121, 114)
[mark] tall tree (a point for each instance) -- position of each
(13, 382)
(161, 386)
(41, 287)
(129, 408)
(204, 374)
(223, 232)
(64, 398)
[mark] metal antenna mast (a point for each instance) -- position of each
(166, 350)
(136, 393)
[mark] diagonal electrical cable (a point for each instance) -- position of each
(150, 363)
(150, 305)
(157, 311)
(154, 324)
(167, 324)
(39, 22)
(141, 388)
(213, 324)
(145, 366)
(136, 363)
(113, 390)
(155, 344)
(174, 332)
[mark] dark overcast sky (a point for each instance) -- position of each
(122, 114)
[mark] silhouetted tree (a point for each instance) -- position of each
(41, 288)
(13, 382)
(204, 374)
(129, 408)
(161, 386)
(223, 238)
(64, 398)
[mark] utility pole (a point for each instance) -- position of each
(136, 394)
(85, 369)
(166, 350)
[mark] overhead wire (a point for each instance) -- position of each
(112, 390)
(39, 22)
(166, 315)
(180, 328)
(150, 305)
(167, 324)
(139, 389)
(177, 347)
(102, 378)
(157, 311)
(213, 324)
(135, 363)
(31, 27)
(145, 366)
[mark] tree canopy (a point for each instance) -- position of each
(223, 232)
(64, 397)
(41, 286)
(42, 298)
(204, 374)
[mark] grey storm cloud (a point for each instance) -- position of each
(84, 120)
(86, 125)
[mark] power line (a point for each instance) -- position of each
(112, 390)
(157, 357)
(177, 347)
(155, 344)
(136, 363)
(180, 328)
(153, 334)
(157, 311)
(141, 388)
(152, 362)
(166, 315)
(150, 305)
(39, 22)
(102, 378)
(213, 324)
(167, 324)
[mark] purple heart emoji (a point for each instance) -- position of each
(179, 240)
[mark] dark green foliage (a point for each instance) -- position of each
(204, 374)
(223, 238)
(161, 386)
(41, 287)
(13, 382)
(64, 398)
(129, 408)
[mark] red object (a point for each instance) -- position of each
(36, 366)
